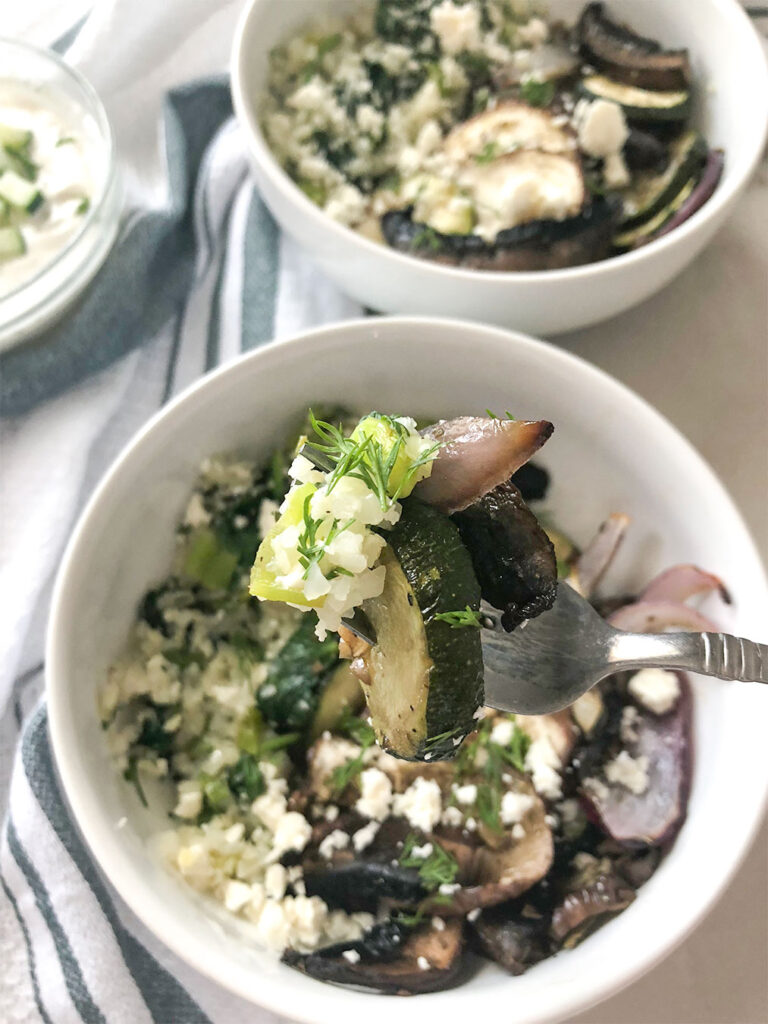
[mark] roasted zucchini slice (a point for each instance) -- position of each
(423, 680)
(649, 193)
(636, 236)
(628, 57)
(638, 104)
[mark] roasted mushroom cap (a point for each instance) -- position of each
(535, 245)
(426, 961)
(627, 57)
(513, 558)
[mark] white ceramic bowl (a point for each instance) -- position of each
(41, 299)
(731, 107)
(610, 451)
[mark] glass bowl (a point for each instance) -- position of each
(38, 300)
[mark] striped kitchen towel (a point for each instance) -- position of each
(199, 274)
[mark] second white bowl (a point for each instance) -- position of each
(730, 70)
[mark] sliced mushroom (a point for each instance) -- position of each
(513, 558)
(557, 728)
(588, 908)
(516, 942)
(505, 872)
(428, 961)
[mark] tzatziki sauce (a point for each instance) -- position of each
(57, 161)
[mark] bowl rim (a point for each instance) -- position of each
(729, 187)
(100, 836)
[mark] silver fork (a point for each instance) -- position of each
(549, 662)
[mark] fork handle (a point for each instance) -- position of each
(710, 654)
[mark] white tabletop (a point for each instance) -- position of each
(703, 361)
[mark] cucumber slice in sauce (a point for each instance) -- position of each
(424, 678)
(639, 104)
(14, 138)
(11, 243)
(19, 193)
(650, 193)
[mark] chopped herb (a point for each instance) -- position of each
(488, 153)
(461, 619)
(216, 794)
(407, 920)
(427, 238)
(313, 190)
(249, 732)
(488, 805)
(361, 732)
(324, 46)
(183, 658)
(274, 743)
(131, 774)
(207, 561)
(83, 206)
(365, 458)
(439, 868)
(538, 94)
(245, 778)
(498, 757)
(65, 140)
(311, 548)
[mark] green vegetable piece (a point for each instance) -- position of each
(289, 696)
(12, 243)
(245, 778)
(207, 561)
(216, 794)
(438, 868)
(536, 93)
(341, 697)
(131, 774)
(249, 732)
(14, 138)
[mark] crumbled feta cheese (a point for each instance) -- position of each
(438, 924)
(196, 514)
(474, 914)
(293, 832)
(544, 764)
(336, 840)
(190, 800)
(656, 689)
(452, 816)
(422, 963)
(351, 956)
(514, 807)
(448, 888)
(236, 895)
(465, 794)
(502, 732)
(630, 772)
(375, 794)
(534, 32)
(422, 852)
(421, 804)
(331, 812)
(602, 127)
(596, 788)
(364, 836)
(518, 832)
(275, 881)
(456, 26)
(269, 808)
(630, 719)
(470, 825)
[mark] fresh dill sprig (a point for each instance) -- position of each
(361, 732)
(436, 869)
(311, 548)
(366, 459)
(461, 619)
